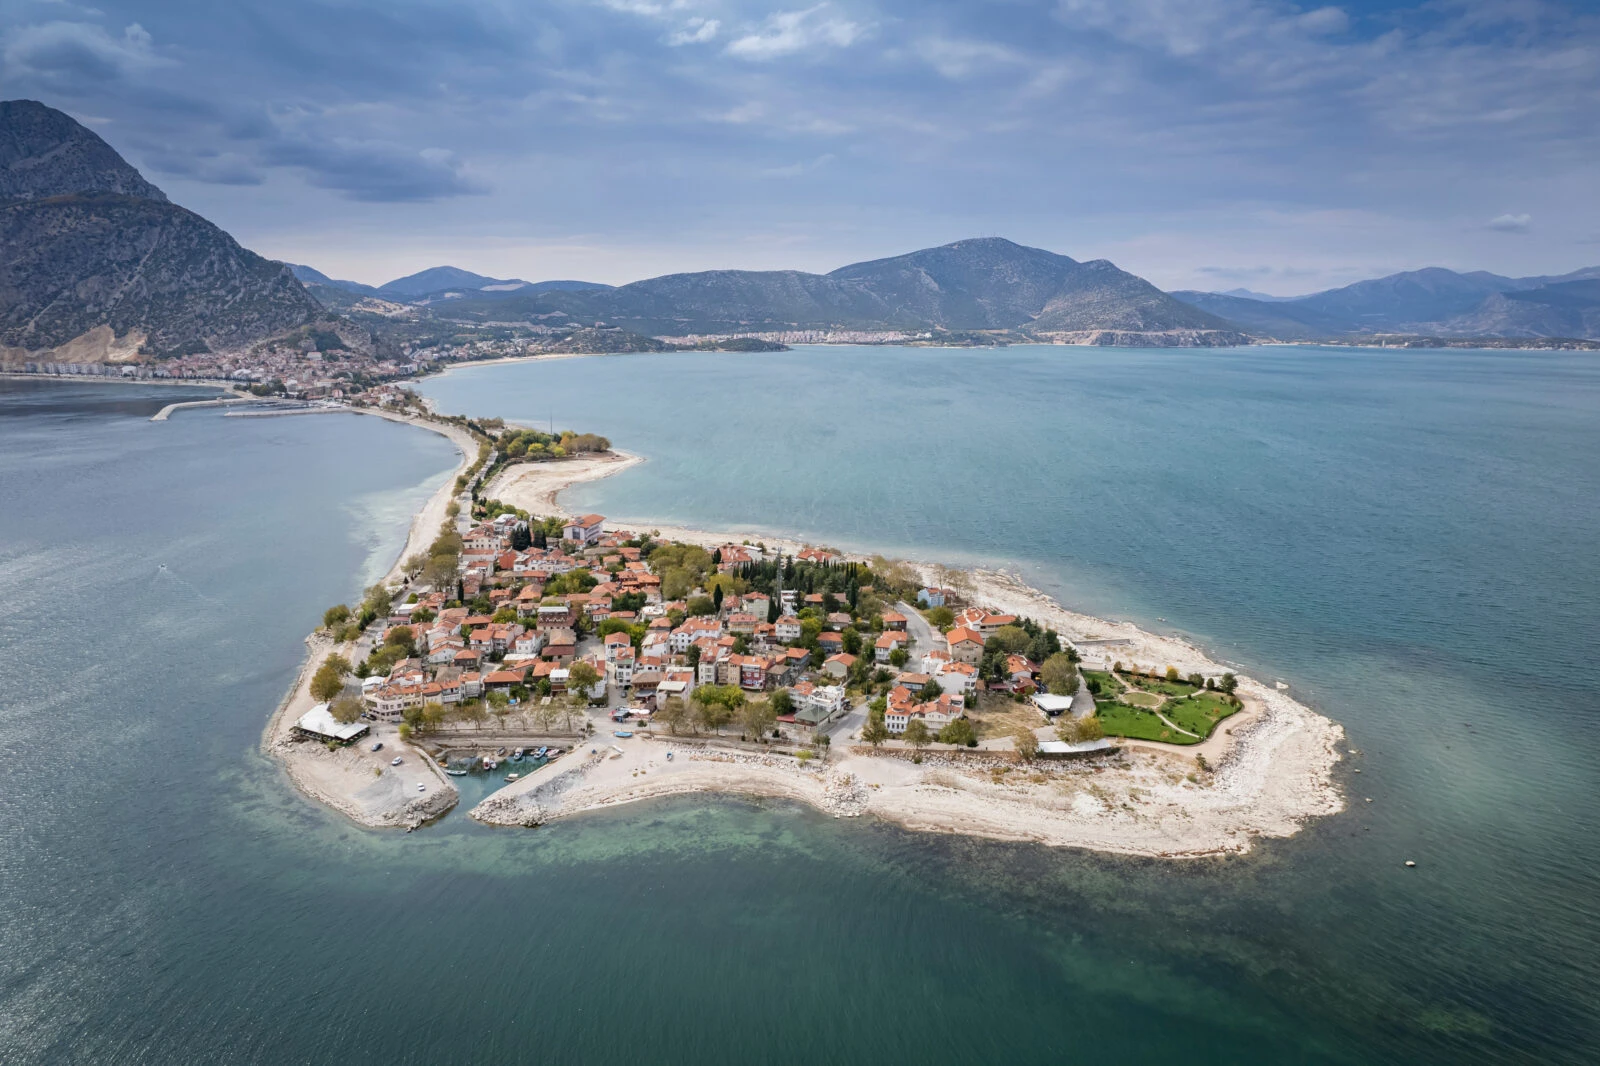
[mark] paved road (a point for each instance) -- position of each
(923, 637)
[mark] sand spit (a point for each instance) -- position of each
(356, 781)
(534, 486)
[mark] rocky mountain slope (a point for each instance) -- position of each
(94, 256)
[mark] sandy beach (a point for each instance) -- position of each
(1271, 764)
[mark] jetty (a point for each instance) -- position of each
(166, 412)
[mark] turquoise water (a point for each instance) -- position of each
(1408, 539)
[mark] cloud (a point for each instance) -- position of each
(695, 31)
(795, 170)
(1511, 223)
(77, 52)
(375, 172)
(789, 32)
(961, 58)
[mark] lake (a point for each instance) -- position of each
(1407, 538)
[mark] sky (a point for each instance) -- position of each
(1211, 144)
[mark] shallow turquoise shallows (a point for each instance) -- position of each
(1409, 539)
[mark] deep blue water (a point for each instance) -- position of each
(1408, 538)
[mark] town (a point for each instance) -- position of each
(558, 628)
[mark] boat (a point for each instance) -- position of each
(456, 773)
(500, 752)
(624, 733)
(541, 753)
(516, 756)
(489, 762)
(512, 777)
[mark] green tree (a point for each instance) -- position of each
(716, 597)
(940, 618)
(898, 657)
(852, 641)
(917, 736)
(701, 605)
(782, 702)
(1172, 673)
(581, 677)
(875, 732)
(1027, 744)
(339, 663)
(1013, 640)
(401, 637)
(960, 732)
(930, 691)
(335, 616)
(1060, 674)
(1228, 683)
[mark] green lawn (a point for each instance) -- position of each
(1199, 714)
(1121, 720)
(1165, 688)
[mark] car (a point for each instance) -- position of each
(397, 761)
(421, 787)
(377, 746)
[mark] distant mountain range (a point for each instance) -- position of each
(1430, 302)
(94, 257)
(985, 284)
(436, 283)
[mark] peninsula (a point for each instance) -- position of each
(585, 663)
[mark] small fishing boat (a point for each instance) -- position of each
(456, 773)
(489, 762)
(516, 756)
(512, 777)
(624, 733)
(501, 752)
(541, 753)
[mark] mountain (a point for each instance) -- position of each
(311, 276)
(44, 152)
(93, 255)
(1433, 301)
(1246, 294)
(443, 282)
(981, 284)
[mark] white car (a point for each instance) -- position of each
(397, 761)
(421, 787)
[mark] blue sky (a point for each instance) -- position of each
(1200, 143)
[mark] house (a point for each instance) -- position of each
(787, 628)
(319, 724)
(894, 621)
(966, 646)
(830, 642)
(838, 666)
(886, 644)
(742, 623)
(584, 531)
(933, 597)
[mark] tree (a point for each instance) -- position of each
(758, 716)
(545, 715)
(931, 691)
(1027, 744)
(781, 702)
(339, 663)
(433, 715)
(940, 618)
(716, 598)
(673, 713)
(917, 735)
(581, 677)
(898, 657)
(852, 641)
(1060, 674)
(346, 709)
(875, 732)
(401, 637)
(1172, 673)
(1197, 680)
(960, 732)
(1013, 640)
(336, 615)
(326, 683)
(1228, 683)
(1080, 730)
(701, 605)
